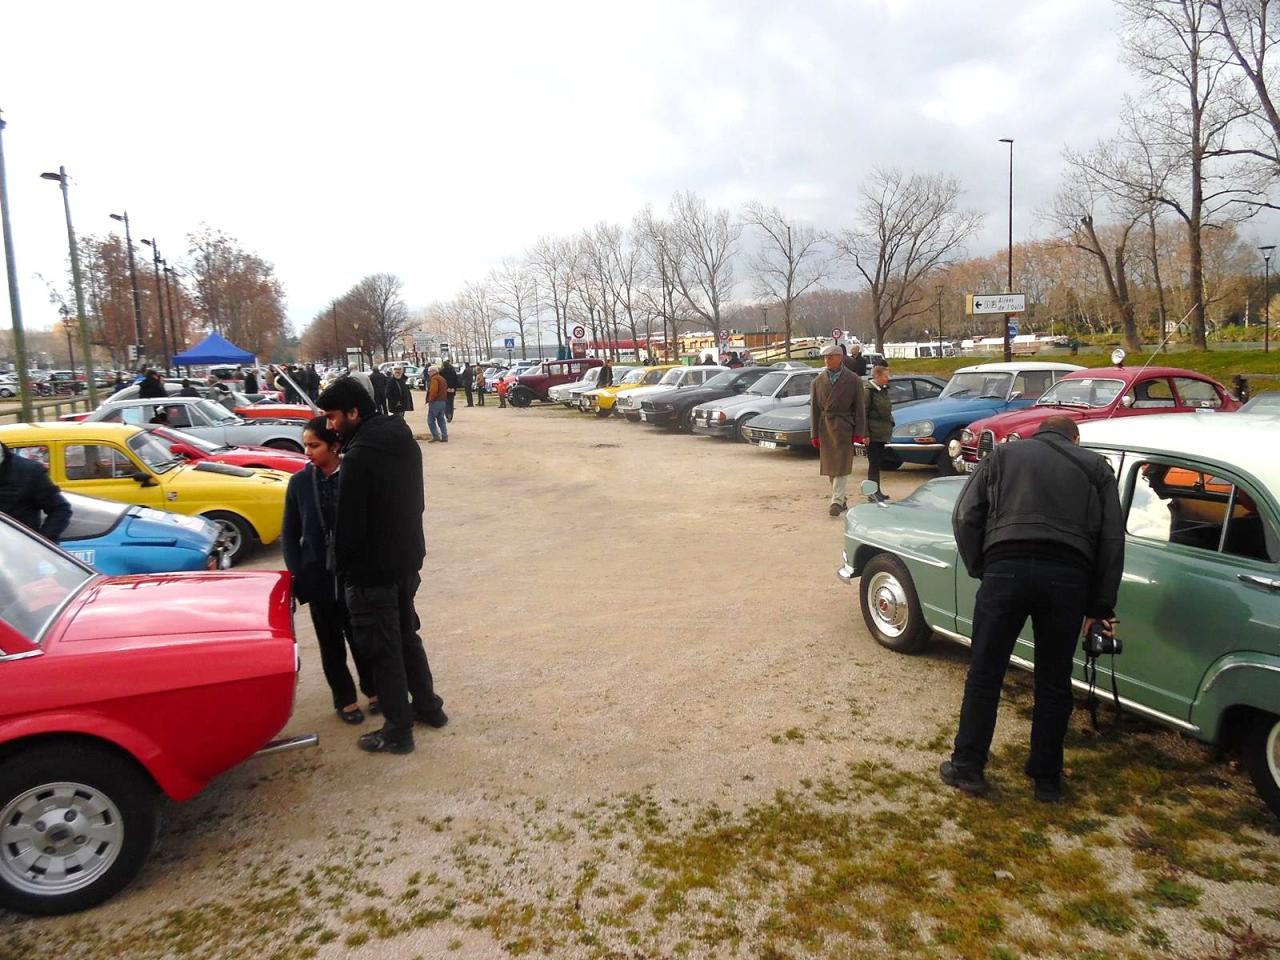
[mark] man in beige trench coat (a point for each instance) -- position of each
(838, 420)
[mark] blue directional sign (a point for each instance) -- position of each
(509, 343)
(1013, 328)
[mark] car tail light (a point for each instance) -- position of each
(721, 417)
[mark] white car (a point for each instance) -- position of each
(567, 393)
(675, 379)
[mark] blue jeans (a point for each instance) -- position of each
(436, 420)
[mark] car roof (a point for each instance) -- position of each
(1019, 367)
(1131, 373)
(120, 432)
(1226, 437)
(168, 401)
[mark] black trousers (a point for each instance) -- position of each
(480, 398)
(385, 628)
(333, 634)
(1053, 595)
(875, 457)
(467, 389)
(448, 405)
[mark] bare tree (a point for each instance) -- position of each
(907, 227)
(378, 297)
(700, 249)
(1244, 29)
(477, 306)
(513, 292)
(553, 261)
(792, 259)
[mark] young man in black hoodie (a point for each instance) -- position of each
(379, 548)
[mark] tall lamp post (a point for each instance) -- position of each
(173, 315)
(1008, 351)
(155, 261)
(86, 346)
(15, 303)
(941, 351)
(133, 281)
(1266, 301)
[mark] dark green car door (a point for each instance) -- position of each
(1201, 548)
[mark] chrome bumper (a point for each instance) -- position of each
(846, 574)
(913, 446)
(285, 744)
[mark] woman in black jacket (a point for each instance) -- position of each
(310, 507)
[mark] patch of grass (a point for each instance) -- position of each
(1167, 892)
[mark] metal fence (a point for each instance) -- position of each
(44, 409)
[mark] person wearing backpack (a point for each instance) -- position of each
(1039, 523)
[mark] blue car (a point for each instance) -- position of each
(923, 431)
(120, 538)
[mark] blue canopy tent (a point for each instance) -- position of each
(213, 349)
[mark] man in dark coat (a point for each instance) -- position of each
(151, 387)
(378, 552)
(313, 383)
(1039, 523)
(838, 420)
(855, 362)
(399, 396)
(251, 381)
(468, 382)
(30, 497)
(451, 381)
(879, 425)
(606, 374)
(379, 381)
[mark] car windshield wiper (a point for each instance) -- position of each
(1081, 404)
(991, 396)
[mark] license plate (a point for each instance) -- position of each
(770, 444)
(967, 467)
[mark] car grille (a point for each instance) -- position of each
(755, 433)
(986, 442)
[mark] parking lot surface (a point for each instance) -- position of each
(671, 735)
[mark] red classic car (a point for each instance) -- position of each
(274, 411)
(118, 691)
(193, 448)
(1097, 394)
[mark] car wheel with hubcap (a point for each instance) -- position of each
(289, 445)
(891, 606)
(521, 397)
(76, 825)
(236, 531)
(1262, 757)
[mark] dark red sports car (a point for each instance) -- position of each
(193, 448)
(118, 691)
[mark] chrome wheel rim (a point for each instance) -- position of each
(1273, 752)
(58, 838)
(887, 600)
(229, 534)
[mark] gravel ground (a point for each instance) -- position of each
(664, 710)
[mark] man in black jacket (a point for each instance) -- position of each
(30, 497)
(453, 383)
(151, 388)
(378, 550)
(379, 381)
(1039, 523)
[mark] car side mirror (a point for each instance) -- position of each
(869, 488)
(144, 479)
(1126, 400)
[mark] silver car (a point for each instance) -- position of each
(675, 379)
(775, 390)
(206, 419)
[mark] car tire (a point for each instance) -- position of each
(945, 467)
(238, 531)
(891, 606)
(1262, 757)
(740, 427)
(73, 784)
(521, 397)
(684, 423)
(289, 445)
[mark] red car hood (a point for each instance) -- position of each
(177, 606)
(270, 457)
(1027, 421)
(276, 411)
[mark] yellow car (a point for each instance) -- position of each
(602, 400)
(127, 464)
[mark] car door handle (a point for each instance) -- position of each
(1265, 582)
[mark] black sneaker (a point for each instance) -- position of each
(1049, 789)
(377, 742)
(436, 719)
(967, 780)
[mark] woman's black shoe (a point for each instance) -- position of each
(377, 742)
(352, 716)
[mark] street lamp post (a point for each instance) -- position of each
(173, 316)
(155, 262)
(133, 281)
(15, 303)
(1008, 351)
(941, 349)
(1266, 297)
(86, 345)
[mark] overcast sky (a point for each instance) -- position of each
(431, 140)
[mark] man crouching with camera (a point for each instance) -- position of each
(1039, 524)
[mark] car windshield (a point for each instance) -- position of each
(1085, 392)
(153, 453)
(979, 384)
(91, 517)
(766, 385)
(635, 376)
(1263, 403)
(35, 579)
(216, 412)
(722, 381)
(672, 377)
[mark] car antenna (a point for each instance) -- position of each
(1176, 327)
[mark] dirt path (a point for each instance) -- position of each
(671, 734)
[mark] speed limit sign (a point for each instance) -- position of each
(579, 332)
(837, 333)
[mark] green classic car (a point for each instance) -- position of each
(1199, 603)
